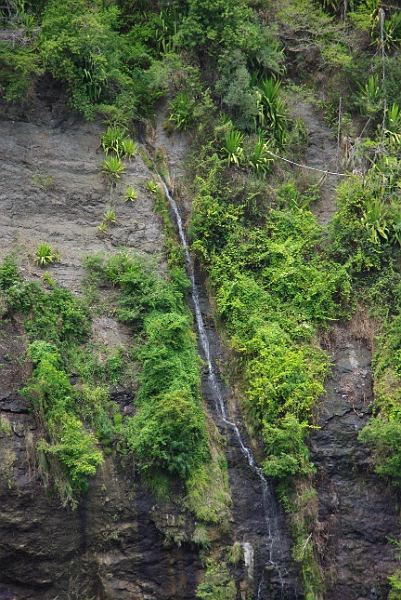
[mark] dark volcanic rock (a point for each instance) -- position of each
(357, 511)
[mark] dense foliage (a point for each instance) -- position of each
(168, 432)
(278, 279)
(169, 429)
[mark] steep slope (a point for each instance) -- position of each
(357, 514)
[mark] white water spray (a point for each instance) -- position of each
(268, 500)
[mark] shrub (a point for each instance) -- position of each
(218, 583)
(385, 436)
(80, 48)
(75, 448)
(169, 430)
(169, 433)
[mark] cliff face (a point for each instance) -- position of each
(357, 510)
(112, 545)
(120, 542)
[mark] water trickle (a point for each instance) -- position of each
(269, 503)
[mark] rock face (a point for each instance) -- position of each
(259, 521)
(120, 543)
(52, 190)
(357, 513)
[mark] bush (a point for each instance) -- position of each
(385, 436)
(75, 448)
(169, 433)
(169, 430)
(80, 48)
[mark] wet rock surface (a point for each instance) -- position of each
(110, 547)
(356, 509)
(261, 530)
(119, 543)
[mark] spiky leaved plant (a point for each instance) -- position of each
(113, 167)
(45, 255)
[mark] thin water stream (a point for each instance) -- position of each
(269, 502)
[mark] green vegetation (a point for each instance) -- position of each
(168, 432)
(110, 217)
(45, 255)
(130, 194)
(169, 429)
(113, 168)
(218, 583)
(114, 140)
(278, 279)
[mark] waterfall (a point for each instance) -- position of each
(269, 503)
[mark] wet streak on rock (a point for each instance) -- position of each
(248, 512)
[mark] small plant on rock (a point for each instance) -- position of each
(129, 148)
(110, 217)
(112, 140)
(45, 255)
(151, 186)
(47, 278)
(130, 194)
(102, 227)
(113, 167)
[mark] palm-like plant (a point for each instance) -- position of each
(272, 108)
(45, 255)
(128, 148)
(151, 186)
(102, 227)
(112, 140)
(260, 159)
(232, 149)
(181, 111)
(113, 167)
(110, 217)
(374, 219)
(393, 124)
(130, 194)
(369, 96)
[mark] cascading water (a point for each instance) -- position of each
(269, 503)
